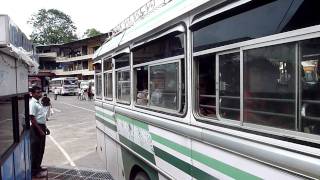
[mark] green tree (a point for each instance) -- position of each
(91, 32)
(52, 27)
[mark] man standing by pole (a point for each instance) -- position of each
(38, 132)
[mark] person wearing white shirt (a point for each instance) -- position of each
(38, 131)
(56, 92)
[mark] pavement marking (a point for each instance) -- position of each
(77, 107)
(55, 109)
(66, 155)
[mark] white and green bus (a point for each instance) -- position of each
(216, 89)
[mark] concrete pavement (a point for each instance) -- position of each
(73, 135)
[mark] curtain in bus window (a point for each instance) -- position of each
(310, 76)
(206, 85)
(6, 127)
(269, 86)
(164, 86)
(229, 86)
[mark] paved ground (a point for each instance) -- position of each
(72, 142)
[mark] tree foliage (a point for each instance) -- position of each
(91, 32)
(52, 27)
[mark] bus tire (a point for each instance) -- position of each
(141, 175)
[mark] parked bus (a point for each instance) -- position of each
(65, 85)
(15, 65)
(212, 90)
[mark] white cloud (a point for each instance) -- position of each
(100, 14)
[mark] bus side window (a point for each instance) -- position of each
(206, 86)
(142, 89)
(269, 86)
(310, 71)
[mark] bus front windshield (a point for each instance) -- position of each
(70, 82)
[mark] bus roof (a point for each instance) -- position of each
(157, 18)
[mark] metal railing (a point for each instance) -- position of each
(139, 14)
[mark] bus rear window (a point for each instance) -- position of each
(70, 82)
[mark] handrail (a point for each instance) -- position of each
(142, 12)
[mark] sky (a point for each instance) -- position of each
(100, 14)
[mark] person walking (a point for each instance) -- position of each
(45, 101)
(90, 92)
(38, 132)
(56, 92)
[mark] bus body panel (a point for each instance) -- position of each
(186, 158)
(187, 146)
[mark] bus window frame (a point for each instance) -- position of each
(105, 91)
(109, 71)
(275, 39)
(122, 69)
(179, 27)
(98, 73)
(171, 60)
(217, 81)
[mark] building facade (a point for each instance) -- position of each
(72, 59)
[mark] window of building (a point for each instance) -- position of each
(6, 125)
(85, 64)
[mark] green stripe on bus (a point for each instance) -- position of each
(183, 166)
(106, 119)
(213, 163)
(105, 115)
(106, 123)
(133, 121)
(144, 153)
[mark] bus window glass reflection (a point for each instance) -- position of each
(269, 86)
(164, 86)
(229, 86)
(310, 71)
(206, 85)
